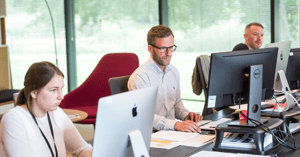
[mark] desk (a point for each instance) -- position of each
(287, 115)
(183, 151)
(6, 103)
(81, 114)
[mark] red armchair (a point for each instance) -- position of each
(86, 96)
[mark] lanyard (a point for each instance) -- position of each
(50, 124)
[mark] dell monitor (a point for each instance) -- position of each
(293, 69)
(124, 123)
(230, 76)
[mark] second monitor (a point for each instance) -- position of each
(282, 61)
(229, 76)
(293, 69)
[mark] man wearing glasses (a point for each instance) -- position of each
(157, 71)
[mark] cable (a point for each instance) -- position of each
(293, 98)
(56, 60)
(296, 101)
(281, 134)
(274, 106)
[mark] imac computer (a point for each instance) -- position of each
(281, 85)
(124, 123)
(282, 61)
(233, 81)
(293, 69)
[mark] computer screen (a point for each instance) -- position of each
(229, 76)
(282, 60)
(293, 69)
(121, 115)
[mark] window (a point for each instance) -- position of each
(204, 27)
(200, 27)
(289, 21)
(111, 26)
(30, 37)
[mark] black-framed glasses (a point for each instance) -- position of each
(165, 49)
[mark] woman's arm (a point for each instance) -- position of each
(75, 144)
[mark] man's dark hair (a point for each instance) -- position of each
(159, 31)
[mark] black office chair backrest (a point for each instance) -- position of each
(118, 84)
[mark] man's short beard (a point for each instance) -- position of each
(156, 58)
(252, 45)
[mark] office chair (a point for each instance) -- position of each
(201, 72)
(200, 80)
(86, 96)
(118, 84)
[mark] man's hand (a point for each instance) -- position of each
(187, 126)
(193, 117)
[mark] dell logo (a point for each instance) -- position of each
(256, 73)
(134, 111)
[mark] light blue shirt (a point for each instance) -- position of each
(169, 103)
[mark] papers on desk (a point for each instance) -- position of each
(176, 136)
(241, 107)
(271, 109)
(222, 154)
(199, 141)
(163, 144)
(171, 139)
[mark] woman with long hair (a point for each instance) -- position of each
(37, 126)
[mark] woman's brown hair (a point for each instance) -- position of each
(37, 76)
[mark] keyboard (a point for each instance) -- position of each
(294, 127)
(203, 122)
(265, 106)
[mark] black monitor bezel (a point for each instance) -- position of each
(268, 76)
(293, 69)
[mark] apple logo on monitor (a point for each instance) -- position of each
(134, 111)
